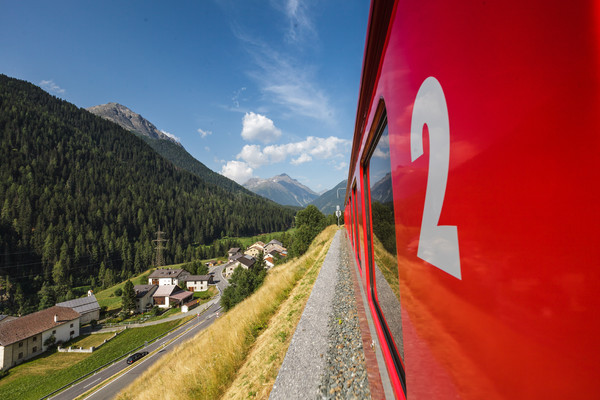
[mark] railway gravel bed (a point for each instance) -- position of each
(345, 374)
(325, 359)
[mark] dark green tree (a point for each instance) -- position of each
(128, 297)
(309, 223)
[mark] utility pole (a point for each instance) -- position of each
(159, 247)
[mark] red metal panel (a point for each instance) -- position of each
(521, 84)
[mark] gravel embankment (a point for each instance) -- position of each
(345, 374)
(304, 362)
(325, 359)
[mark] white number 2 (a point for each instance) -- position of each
(438, 245)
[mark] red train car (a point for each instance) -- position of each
(473, 196)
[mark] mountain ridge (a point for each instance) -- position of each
(163, 144)
(282, 189)
(129, 120)
(327, 202)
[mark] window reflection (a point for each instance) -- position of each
(384, 238)
(357, 241)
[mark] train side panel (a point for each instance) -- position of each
(493, 117)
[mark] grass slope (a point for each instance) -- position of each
(256, 377)
(107, 298)
(206, 366)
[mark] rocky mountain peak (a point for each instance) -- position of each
(129, 120)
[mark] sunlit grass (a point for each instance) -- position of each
(206, 366)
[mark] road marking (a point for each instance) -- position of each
(91, 383)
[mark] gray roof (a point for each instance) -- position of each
(247, 260)
(234, 250)
(166, 290)
(83, 305)
(142, 290)
(166, 273)
(198, 278)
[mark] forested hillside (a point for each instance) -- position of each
(81, 199)
(162, 144)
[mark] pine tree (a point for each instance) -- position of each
(128, 297)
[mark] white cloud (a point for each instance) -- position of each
(238, 171)
(341, 166)
(300, 23)
(204, 133)
(252, 154)
(171, 136)
(236, 97)
(288, 81)
(50, 86)
(300, 152)
(302, 159)
(256, 127)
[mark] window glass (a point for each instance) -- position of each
(357, 240)
(384, 238)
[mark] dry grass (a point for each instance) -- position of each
(256, 377)
(88, 341)
(206, 366)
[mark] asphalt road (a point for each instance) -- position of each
(185, 332)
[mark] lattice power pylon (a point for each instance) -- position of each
(159, 248)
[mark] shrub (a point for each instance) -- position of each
(118, 292)
(50, 341)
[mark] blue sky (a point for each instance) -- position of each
(250, 88)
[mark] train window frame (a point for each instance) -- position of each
(357, 248)
(378, 127)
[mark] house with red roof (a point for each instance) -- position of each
(30, 335)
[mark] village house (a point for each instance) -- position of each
(87, 307)
(170, 295)
(228, 268)
(275, 248)
(255, 249)
(269, 261)
(233, 252)
(165, 276)
(246, 261)
(30, 335)
(198, 283)
(143, 297)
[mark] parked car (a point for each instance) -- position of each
(134, 357)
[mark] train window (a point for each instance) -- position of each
(351, 222)
(383, 263)
(357, 240)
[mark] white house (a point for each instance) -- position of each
(165, 276)
(255, 249)
(197, 283)
(143, 297)
(246, 261)
(87, 306)
(170, 295)
(25, 337)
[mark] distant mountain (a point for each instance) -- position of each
(328, 201)
(164, 145)
(283, 190)
(381, 191)
(129, 120)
